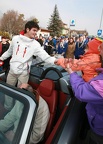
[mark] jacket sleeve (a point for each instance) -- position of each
(77, 64)
(83, 90)
(41, 53)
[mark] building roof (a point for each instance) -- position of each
(45, 30)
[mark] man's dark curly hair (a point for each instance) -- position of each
(30, 25)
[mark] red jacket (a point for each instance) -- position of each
(87, 64)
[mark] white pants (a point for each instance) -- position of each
(14, 79)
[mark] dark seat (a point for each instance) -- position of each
(47, 90)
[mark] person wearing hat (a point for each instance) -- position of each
(80, 46)
(66, 42)
(61, 46)
(88, 62)
(92, 93)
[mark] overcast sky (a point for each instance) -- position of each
(86, 13)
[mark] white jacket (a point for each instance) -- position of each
(22, 50)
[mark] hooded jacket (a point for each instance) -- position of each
(22, 50)
(87, 64)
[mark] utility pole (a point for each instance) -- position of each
(69, 31)
(99, 32)
(72, 23)
(101, 19)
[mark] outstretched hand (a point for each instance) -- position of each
(65, 63)
(61, 62)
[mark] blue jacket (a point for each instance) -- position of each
(62, 49)
(86, 92)
(79, 50)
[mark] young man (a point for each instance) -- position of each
(22, 49)
(13, 117)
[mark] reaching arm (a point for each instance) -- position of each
(44, 55)
(83, 90)
(76, 65)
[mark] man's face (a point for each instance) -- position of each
(81, 39)
(3, 40)
(32, 33)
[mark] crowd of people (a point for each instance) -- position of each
(66, 46)
(78, 53)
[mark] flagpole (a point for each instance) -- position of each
(101, 19)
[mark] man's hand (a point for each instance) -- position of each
(65, 63)
(24, 85)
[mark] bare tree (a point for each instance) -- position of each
(34, 19)
(20, 24)
(12, 22)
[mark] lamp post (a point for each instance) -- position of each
(69, 31)
(72, 23)
(101, 19)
